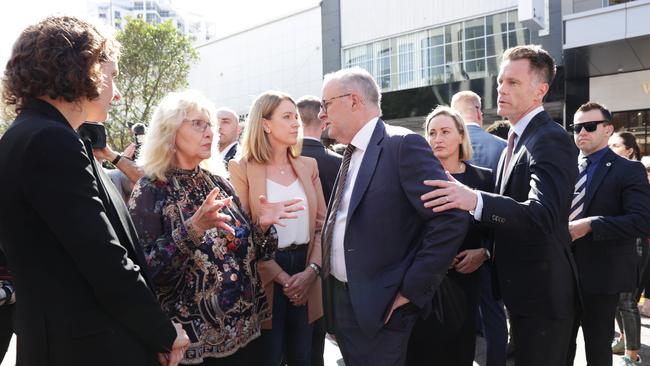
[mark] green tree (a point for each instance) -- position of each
(155, 60)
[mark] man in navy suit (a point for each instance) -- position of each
(529, 215)
(487, 147)
(487, 150)
(386, 253)
(610, 209)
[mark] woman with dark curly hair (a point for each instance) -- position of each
(65, 231)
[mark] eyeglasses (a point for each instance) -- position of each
(590, 126)
(200, 125)
(326, 102)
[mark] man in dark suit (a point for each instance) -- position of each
(535, 179)
(610, 209)
(67, 236)
(329, 163)
(386, 253)
(487, 149)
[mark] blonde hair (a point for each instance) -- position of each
(465, 152)
(158, 149)
(255, 142)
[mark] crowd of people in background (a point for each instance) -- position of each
(216, 241)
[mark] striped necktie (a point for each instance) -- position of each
(580, 190)
(328, 229)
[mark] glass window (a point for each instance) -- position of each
(453, 52)
(474, 69)
(492, 66)
(512, 20)
(496, 23)
(383, 68)
(518, 37)
(474, 48)
(475, 28)
(453, 33)
(405, 61)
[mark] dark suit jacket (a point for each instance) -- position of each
(392, 243)
(487, 147)
(230, 154)
(618, 196)
(328, 164)
(72, 251)
(535, 269)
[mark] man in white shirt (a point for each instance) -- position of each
(529, 214)
(386, 253)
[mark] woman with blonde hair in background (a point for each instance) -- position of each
(271, 167)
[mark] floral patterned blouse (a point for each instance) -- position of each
(208, 283)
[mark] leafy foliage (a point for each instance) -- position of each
(155, 60)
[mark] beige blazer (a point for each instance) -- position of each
(249, 180)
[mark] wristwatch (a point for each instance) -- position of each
(116, 160)
(315, 267)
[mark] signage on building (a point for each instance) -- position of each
(622, 92)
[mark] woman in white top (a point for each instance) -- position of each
(270, 165)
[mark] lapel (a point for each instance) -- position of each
(604, 165)
(310, 193)
(499, 173)
(368, 165)
(519, 150)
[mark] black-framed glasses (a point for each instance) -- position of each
(590, 126)
(200, 125)
(326, 102)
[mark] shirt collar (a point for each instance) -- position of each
(310, 138)
(595, 156)
(521, 125)
(362, 138)
(472, 124)
(225, 151)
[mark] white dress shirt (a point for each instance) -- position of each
(360, 142)
(296, 230)
(222, 153)
(519, 129)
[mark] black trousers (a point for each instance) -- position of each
(252, 354)
(318, 343)
(541, 341)
(387, 348)
(597, 321)
(6, 327)
(435, 342)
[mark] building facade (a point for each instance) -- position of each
(607, 58)
(283, 54)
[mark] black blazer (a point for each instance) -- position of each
(328, 164)
(72, 252)
(618, 197)
(230, 154)
(534, 266)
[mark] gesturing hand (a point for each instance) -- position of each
(209, 215)
(271, 213)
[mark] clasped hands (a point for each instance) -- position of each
(296, 287)
(209, 214)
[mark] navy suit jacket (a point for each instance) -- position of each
(534, 265)
(487, 148)
(328, 162)
(618, 198)
(392, 243)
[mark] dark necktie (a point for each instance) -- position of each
(328, 231)
(580, 190)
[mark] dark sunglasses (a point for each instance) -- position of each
(590, 126)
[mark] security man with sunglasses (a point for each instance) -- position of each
(609, 209)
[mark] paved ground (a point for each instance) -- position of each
(333, 356)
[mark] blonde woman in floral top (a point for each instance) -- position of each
(200, 247)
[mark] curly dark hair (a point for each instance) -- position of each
(59, 57)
